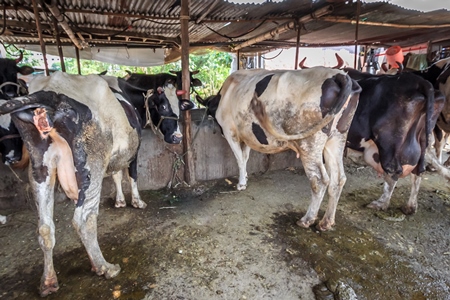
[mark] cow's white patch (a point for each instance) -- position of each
(5, 120)
(171, 94)
(2, 219)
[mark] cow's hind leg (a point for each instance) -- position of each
(120, 197)
(85, 222)
(241, 152)
(333, 154)
(388, 188)
(319, 180)
(411, 206)
(44, 195)
(132, 176)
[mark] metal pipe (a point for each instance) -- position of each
(51, 5)
(285, 27)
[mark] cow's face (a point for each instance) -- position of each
(194, 81)
(8, 73)
(164, 113)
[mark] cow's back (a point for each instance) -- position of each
(292, 99)
(113, 131)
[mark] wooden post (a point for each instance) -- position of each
(358, 11)
(189, 169)
(77, 52)
(297, 49)
(58, 44)
(41, 41)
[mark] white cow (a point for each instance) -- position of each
(308, 111)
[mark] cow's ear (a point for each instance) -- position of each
(26, 70)
(173, 72)
(196, 82)
(195, 72)
(186, 104)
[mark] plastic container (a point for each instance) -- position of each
(394, 54)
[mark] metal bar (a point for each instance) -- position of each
(41, 41)
(285, 27)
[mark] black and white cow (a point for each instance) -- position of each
(154, 81)
(438, 74)
(307, 111)
(77, 132)
(391, 127)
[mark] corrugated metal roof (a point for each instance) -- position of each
(224, 25)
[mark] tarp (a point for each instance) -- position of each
(140, 57)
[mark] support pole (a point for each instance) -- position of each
(41, 41)
(77, 52)
(58, 44)
(189, 170)
(297, 48)
(358, 12)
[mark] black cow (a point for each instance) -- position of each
(391, 126)
(10, 142)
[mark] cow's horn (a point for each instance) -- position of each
(340, 62)
(400, 67)
(301, 64)
(19, 59)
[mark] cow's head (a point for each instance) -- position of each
(436, 73)
(165, 111)
(194, 81)
(8, 74)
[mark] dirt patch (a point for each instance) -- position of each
(211, 242)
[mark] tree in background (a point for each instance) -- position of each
(213, 66)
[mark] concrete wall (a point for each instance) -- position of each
(211, 152)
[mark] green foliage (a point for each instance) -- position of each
(213, 66)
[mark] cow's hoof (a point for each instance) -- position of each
(48, 286)
(241, 187)
(109, 270)
(377, 205)
(305, 223)
(325, 225)
(409, 210)
(120, 203)
(139, 204)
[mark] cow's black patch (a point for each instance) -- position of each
(259, 134)
(376, 158)
(262, 85)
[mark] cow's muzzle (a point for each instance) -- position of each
(176, 138)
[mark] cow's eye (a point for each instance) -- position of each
(164, 107)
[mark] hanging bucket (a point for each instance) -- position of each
(394, 54)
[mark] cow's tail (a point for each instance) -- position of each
(18, 104)
(346, 89)
(430, 121)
